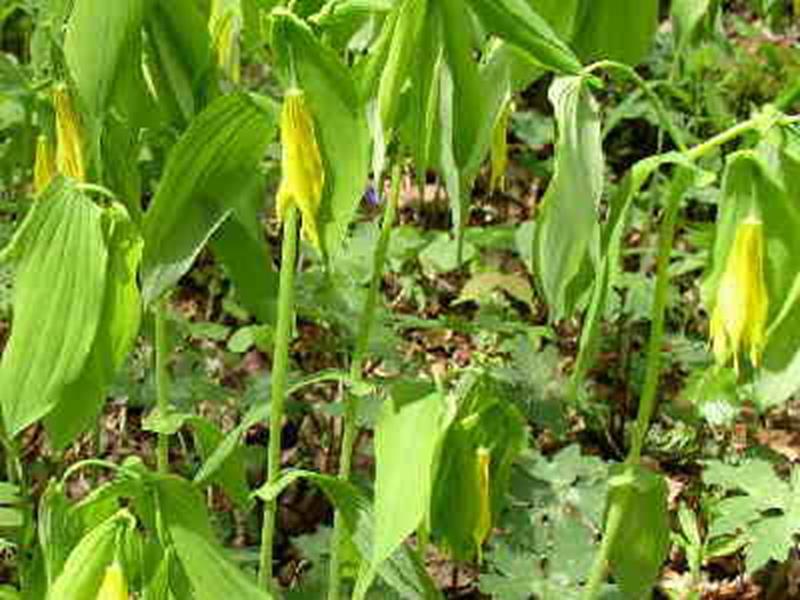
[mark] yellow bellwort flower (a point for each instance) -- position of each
(114, 586)
(484, 523)
(44, 169)
(303, 176)
(69, 146)
(739, 319)
(499, 148)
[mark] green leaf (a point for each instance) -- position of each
(404, 571)
(518, 23)
(568, 231)
(407, 436)
(214, 162)
(231, 475)
(97, 37)
(620, 30)
(340, 118)
(181, 57)
(487, 421)
(85, 568)
(642, 542)
(411, 19)
(227, 447)
(58, 304)
(81, 401)
(240, 245)
(211, 573)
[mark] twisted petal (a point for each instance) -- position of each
(739, 320)
(303, 177)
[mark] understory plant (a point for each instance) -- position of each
(161, 134)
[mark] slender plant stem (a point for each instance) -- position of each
(280, 364)
(629, 72)
(162, 382)
(597, 576)
(681, 183)
(356, 368)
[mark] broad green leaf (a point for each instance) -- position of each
(58, 303)
(404, 571)
(340, 117)
(562, 15)
(211, 573)
(620, 30)
(85, 568)
(181, 57)
(407, 436)
(97, 37)
(240, 245)
(411, 19)
(568, 231)
(485, 421)
(213, 163)
(517, 22)
(82, 400)
(643, 539)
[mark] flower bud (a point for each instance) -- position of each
(484, 523)
(69, 148)
(499, 148)
(114, 586)
(303, 176)
(738, 321)
(226, 26)
(44, 169)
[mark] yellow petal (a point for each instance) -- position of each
(44, 168)
(303, 176)
(115, 586)
(69, 149)
(484, 523)
(739, 319)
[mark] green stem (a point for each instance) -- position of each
(162, 382)
(666, 123)
(681, 183)
(597, 576)
(356, 367)
(280, 365)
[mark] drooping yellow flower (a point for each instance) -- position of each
(484, 523)
(303, 176)
(44, 169)
(499, 148)
(115, 586)
(739, 318)
(69, 147)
